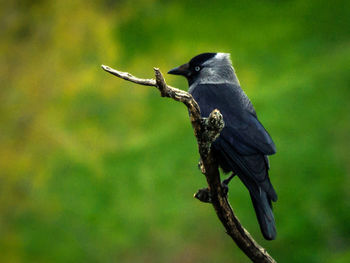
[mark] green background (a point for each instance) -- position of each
(96, 169)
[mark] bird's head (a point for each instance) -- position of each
(207, 68)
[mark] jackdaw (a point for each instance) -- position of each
(243, 145)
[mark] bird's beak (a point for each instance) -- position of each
(183, 70)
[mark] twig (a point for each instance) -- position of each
(206, 131)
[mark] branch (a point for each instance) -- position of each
(206, 131)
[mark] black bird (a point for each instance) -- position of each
(243, 145)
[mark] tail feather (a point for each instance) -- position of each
(253, 172)
(264, 214)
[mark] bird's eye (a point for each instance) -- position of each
(197, 68)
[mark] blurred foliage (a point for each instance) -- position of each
(94, 169)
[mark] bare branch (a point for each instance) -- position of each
(206, 131)
(129, 77)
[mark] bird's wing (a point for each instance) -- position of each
(242, 131)
(243, 144)
(250, 168)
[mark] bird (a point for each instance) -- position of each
(243, 145)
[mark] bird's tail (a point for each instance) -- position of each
(263, 209)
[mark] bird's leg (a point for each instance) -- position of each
(228, 179)
(225, 183)
(203, 194)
